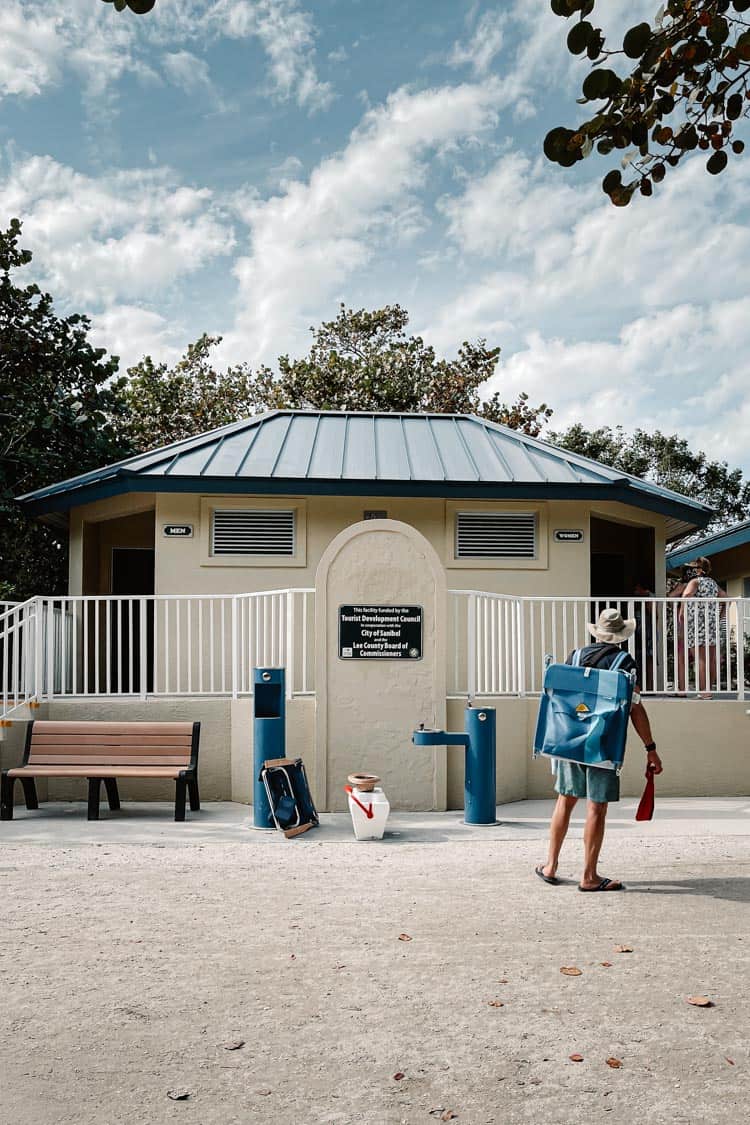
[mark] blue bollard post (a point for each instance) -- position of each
(269, 734)
(481, 766)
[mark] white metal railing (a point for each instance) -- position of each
(157, 645)
(208, 645)
(683, 647)
(17, 655)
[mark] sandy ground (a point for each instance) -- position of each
(134, 951)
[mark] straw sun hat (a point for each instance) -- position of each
(612, 628)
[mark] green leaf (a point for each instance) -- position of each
(734, 106)
(601, 83)
(578, 37)
(121, 5)
(556, 143)
(612, 180)
(718, 30)
(622, 196)
(563, 8)
(141, 7)
(636, 40)
(717, 162)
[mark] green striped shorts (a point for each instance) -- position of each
(572, 780)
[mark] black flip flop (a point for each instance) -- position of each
(551, 879)
(605, 885)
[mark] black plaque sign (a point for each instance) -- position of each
(390, 632)
(178, 530)
(569, 535)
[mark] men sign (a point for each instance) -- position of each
(370, 632)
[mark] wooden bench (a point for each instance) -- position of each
(102, 752)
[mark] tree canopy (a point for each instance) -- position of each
(362, 360)
(57, 418)
(667, 460)
(684, 86)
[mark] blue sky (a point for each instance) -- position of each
(241, 166)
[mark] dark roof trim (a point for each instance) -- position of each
(736, 536)
(122, 482)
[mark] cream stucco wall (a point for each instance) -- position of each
(182, 567)
(704, 746)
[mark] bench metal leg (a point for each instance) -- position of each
(110, 784)
(6, 797)
(179, 798)
(29, 792)
(195, 800)
(95, 784)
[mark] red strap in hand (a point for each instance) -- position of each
(646, 806)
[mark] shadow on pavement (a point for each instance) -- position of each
(734, 890)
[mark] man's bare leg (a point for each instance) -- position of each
(593, 838)
(558, 829)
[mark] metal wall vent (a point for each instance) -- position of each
(252, 532)
(496, 535)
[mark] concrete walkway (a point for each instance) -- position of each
(134, 952)
(62, 823)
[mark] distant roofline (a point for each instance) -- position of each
(726, 540)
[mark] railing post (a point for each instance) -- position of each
(471, 645)
(235, 651)
(521, 647)
(289, 645)
(38, 648)
(143, 646)
(741, 609)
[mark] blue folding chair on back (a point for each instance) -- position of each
(584, 712)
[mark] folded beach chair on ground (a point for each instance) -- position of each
(288, 791)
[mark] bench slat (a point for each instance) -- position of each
(171, 745)
(100, 727)
(100, 771)
(133, 752)
(110, 760)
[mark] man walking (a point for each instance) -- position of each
(598, 786)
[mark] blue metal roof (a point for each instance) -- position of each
(370, 454)
(736, 536)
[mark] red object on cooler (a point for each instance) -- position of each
(366, 809)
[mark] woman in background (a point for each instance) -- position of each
(702, 625)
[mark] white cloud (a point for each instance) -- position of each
(308, 241)
(484, 44)
(131, 332)
(29, 51)
(677, 369)
(505, 210)
(40, 39)
(187, 71)
(118, 236)
(636, 316)
(287, 34)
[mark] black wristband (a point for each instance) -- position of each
(649, 747)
